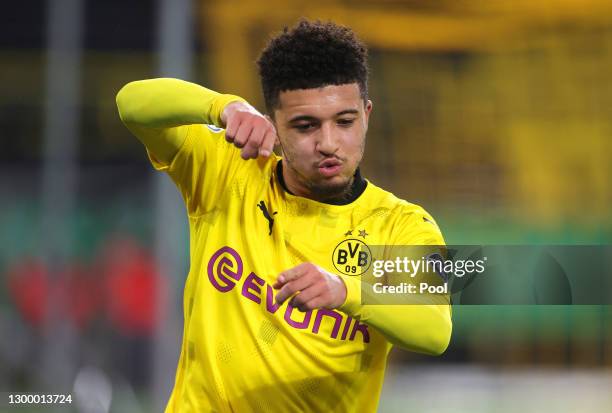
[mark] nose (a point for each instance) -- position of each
(326, 143)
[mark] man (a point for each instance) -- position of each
(270, 323)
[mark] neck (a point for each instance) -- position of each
(353, 192)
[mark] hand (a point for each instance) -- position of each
(315, 288)
(249, 130)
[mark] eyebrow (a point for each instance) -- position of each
(306, 117)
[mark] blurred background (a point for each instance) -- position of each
(493, 115)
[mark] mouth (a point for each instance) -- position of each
(329, 167)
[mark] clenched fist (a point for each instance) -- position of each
(249, 130)
(315, 288)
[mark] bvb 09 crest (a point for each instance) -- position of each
(352, 257)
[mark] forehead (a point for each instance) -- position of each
(321, 101)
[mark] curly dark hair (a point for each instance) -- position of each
(312, 54)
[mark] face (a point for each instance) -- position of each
(322, 134)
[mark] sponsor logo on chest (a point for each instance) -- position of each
(225, 272)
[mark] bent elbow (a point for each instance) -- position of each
(439, 340)
(432, 341)
(441, 344)
(123, 102)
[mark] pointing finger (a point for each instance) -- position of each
(305, 295)
(293, 287)
(288, 275)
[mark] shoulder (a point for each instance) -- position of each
(411, 223)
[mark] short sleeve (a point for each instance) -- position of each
(202, 167)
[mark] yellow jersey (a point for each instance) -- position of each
(241, 352)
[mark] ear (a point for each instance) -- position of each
(271, 120)
(367, 111)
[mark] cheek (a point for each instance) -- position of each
(296, 149)
(355, 143)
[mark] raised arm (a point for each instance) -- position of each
(158, 111)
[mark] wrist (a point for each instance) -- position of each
(342, 291)
(229, 109)
(225, 105)
(352, 301)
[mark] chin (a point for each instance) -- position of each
(332, 187)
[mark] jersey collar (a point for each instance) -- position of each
(357, 188)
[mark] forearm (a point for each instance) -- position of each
(165, 102)
(421, 327)
(158, 111)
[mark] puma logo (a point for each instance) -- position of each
(266, 214)
(428, 220)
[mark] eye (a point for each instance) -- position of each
(346, 122)
(303, 127)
